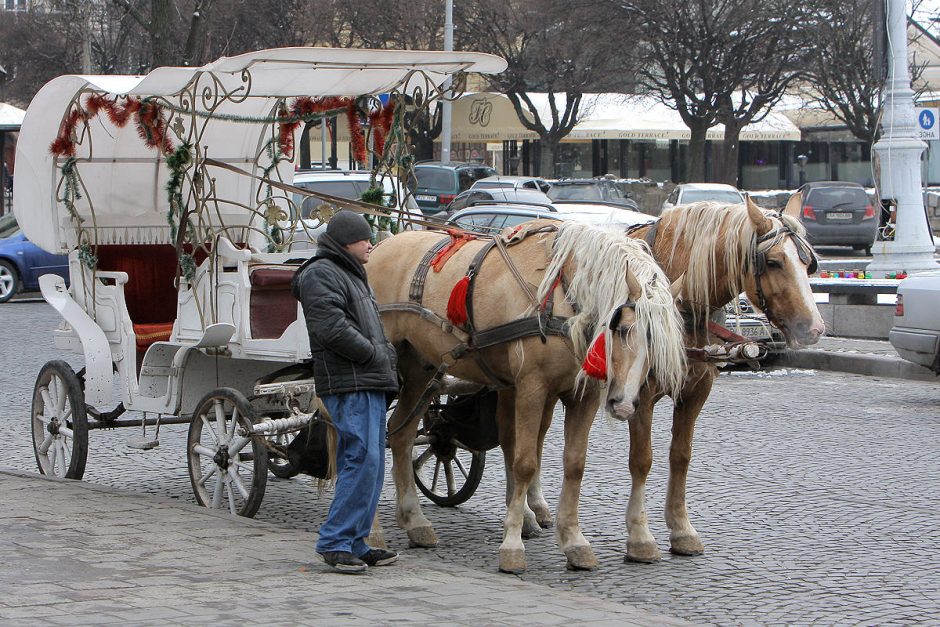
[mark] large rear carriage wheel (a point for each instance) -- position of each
(59, 423)
(228, 466)
(446, 471)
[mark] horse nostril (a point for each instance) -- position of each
(615, 401)
(636, 403)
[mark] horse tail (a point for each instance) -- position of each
(331, 439)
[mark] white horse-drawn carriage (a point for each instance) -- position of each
(170, 193)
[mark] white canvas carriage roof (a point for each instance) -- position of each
(126, 180)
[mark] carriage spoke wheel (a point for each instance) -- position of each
(59, 423)
(280, 467)
(446, 471)
(228, 467)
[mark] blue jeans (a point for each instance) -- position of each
(360, 470)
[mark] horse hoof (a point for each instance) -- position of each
(581, 558)
(530, 529)
(686, 545)
(546, 522)
(422, 537)
(512, 561)
(642, 552)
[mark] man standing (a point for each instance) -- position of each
(354, 369)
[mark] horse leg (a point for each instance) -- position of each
(408, 512)
(683, 539)
(376, 537)
(579, 415)
(505, 414)
(535, 499)
(641, 546)
(529, 404)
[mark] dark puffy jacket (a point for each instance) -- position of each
(349, 349)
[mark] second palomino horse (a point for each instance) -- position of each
(719, 251)
(526, 319)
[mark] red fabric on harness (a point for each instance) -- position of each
(457, 303)
(457, 240)
(595, 362)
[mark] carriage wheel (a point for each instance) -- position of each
(228, 467)
(280, 467)
(445, 471)
(59, 423)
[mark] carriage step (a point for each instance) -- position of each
(142, 442)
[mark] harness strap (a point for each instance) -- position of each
(515, 271)
(471, 274)
(650, 237)
(517, 329)
(416, 293)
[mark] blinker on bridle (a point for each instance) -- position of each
(803, 250)
(618, 315)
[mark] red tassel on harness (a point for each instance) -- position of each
(457, 304)
(595, 362)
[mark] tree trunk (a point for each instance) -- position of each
(161, 33)
(697, 155)
(196, 42)
(548, 150)
(728, 154)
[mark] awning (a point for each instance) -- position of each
(484, 116)
(11, 118)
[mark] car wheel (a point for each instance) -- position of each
(9, 281)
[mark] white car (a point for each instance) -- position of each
(350, 184)
(494, 217)
(687, 193)
(916, 331)
(514, 182)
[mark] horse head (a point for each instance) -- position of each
(628, 359)
(780, 261)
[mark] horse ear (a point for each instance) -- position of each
(636, 290)
(676, 287)
(762, 223)
(794, 206)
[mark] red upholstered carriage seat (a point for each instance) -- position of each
(272, 307)
(150, 293)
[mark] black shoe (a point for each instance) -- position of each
(344, 561)
(379, 557)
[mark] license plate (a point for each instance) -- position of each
(753, 331)
(839, 215)
(426, 197)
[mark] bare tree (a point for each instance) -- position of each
(562, 48)
(718, 61)
(166, 23)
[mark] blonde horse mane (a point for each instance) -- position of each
(707, 227)
(602, 258)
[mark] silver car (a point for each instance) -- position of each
(916, 331)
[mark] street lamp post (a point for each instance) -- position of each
(899, 151)
(446, 113)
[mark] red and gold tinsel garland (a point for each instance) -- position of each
(151, 125)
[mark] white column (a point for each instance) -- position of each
(899, 151)
(446, 113)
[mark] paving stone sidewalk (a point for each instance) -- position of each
(868, 357)
(81, 554)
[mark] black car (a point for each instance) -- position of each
(837, 213)
(590, 190)
(437, 184)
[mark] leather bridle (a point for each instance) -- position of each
(759, 260)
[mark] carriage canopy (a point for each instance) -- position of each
(226, 110)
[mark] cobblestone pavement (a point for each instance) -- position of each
(814, 492)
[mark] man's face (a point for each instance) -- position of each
(360, 250)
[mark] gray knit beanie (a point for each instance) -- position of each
(348, 227)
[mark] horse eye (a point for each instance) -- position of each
(773, 263)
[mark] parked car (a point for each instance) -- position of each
(837, 213)
(437, 184)
(753, 325)
(916, 331)
(475, 195)
(515, 182)
(590, 190)
(22, 262)
(348, 184)
(687, 193)
(494, 217)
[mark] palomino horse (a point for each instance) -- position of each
(591, 284)
(719, 251)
